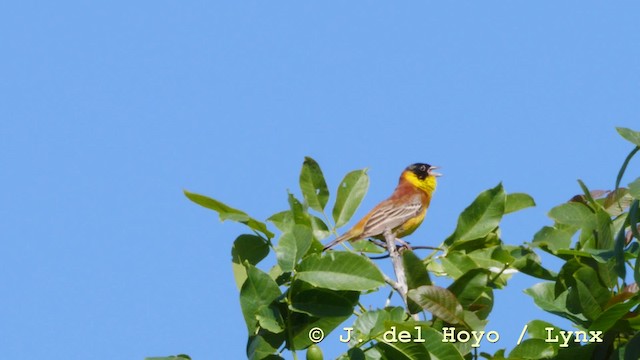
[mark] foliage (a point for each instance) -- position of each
(593, 234)
(284, 304)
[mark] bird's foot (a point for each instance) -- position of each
(404, 244)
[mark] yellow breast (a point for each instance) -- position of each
(410, 225)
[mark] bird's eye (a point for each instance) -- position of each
(423, 168)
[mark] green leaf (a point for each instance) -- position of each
(518, 201)
(302, 323)
(634, 218)
(543, 295)
(606, 270)
(492, 257)
(623, 168)
(320, 302)
(292, 245)
(438, 301)
(629, 135)
(498, 355)
(282, 220)
(228, 213)
(632, 350)
(588, 197)
(532, 349)
(481, 217)
(588, 351)
(371, 324)
(276, 273)
(177, 357)
(437, 348)
(396, 349)
(610, 316)
(417, 275)
(421, 337)
(636, 271)
(529, 263)
(415, 270)
(270, 319)
(366, 246)
(350, 193)
(617, 201)
(257, 291)
(258, 348)
(249, 248)
(574, 253)
(456, 264)
(340, 270)
(634, 322)
(299, 213)
(490, 240)
(315, 248)
(589, 294)
(473, 292)
(402, 351)
(604, 230)
(572, 213)
(537, 329)
(313, 186)
(320, 229)
(354, 353)
(634, 188)
(618, 248)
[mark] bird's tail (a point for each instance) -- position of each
(338, 240)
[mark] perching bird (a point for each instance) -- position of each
(402, 212)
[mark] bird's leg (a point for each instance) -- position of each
(382, 244)
(404, 244)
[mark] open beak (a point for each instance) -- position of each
(433, 173)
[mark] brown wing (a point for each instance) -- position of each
(392, 213)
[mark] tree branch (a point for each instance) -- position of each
(401, 278)
(392, 283)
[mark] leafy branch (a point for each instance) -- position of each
(595, 234)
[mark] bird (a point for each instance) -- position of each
(402, 212)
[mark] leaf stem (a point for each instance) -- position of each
(433, 253)
(493, 281)
(624, 166)
(290, 325)
(333, 226)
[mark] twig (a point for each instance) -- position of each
(388, 302)
(379, 257)
(420, 247)
(392, 283)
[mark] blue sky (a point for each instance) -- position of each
(109, 110)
